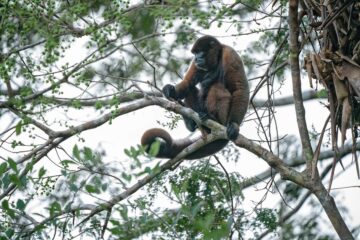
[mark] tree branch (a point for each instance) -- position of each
(313, 184)
(296, 81)
(129, 97)
(284, 101)
(327, 154)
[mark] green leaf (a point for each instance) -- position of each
(92, 189)
(176, 190)
(147, 170)
(29, 166)
(15, 179)
(267, 217)
(151, 171)
(23, 180)
(18, 128)
(124, 212)
(134, 153)
(9, 233)
(76, 152)
(104, 186)
(3, 168)
(12, 164)
(207, 221)
(154, 148)
(42, 172)
(6, 180)
(76, 103)
(114, 101)
(5, 204)
(98, 105)
(66, 163)
(73, 187)
(55, 208)
(125, 176)
(127, 152)
(8, 210)
(222, 232)
(26, 91)
(88, 153)
(20, 204)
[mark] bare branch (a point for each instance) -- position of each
(284, 101)
(296, 80)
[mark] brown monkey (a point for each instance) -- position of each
(223, 96)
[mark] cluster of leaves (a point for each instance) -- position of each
(203, 207)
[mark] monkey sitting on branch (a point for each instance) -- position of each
(223, 96)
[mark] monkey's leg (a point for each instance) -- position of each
(239, 104)
(192, 100)
(218, 103)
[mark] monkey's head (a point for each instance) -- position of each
(207, 51)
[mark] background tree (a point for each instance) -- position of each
(71, 69)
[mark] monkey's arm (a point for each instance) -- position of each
(238, 86)
(180, 90)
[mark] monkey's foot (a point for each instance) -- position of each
(232, 130)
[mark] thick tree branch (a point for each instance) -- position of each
(329, 205)
(272, 160)
(313, 184)
(296, 80)
(325, 154)
(294, 210)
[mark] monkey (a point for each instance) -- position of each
(223, 96)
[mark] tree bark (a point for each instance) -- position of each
(296, 80)
(329, 205)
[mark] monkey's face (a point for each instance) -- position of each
(207, 52)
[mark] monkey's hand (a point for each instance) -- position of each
(169, 92)
(232, 130)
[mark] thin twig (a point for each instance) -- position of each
(108, 214)
(229, 184)
(147, 61)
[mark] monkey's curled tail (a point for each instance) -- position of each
(169, 147)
